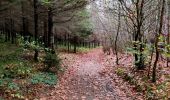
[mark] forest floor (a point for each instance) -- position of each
(89, 76)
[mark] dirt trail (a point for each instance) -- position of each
(85, 80)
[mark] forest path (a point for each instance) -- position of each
(85, 79)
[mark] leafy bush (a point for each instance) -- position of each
(26, 44)
(143, 51)
(21, 70)
(51, 60)
(45, 78)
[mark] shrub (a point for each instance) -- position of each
(21, 70)
(51, 60)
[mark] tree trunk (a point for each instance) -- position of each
(45, 34)
(139, 61)
(75, 44)
(118, 30)
(12, 30)
(50, 30)
(6, 30)
(168, 36)
(157, 40)
(68, 43)
(23, 21)
(36, 29)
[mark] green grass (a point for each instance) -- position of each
(83, 49)
(9, 53)
(79, 48)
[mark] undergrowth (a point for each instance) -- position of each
(18, 73)
(151, 91)
(44, 78)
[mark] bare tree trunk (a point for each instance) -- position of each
(157, 40)
(68, 43)
(139, 61)
(12, 30)
(118, 30)
(45, 34)
(23, 20)
(5, 30)
(35, 29)
(50, 29)
(75, 44)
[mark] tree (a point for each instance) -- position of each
(157, 40)
(69, 8)
(136, 15)
(36, 28)
(168, 25)
(117, 34)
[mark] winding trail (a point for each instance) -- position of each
(85, 79)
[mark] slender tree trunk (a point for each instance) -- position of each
(35, 20)
(6, 30)
(35, 29)
(118, 30)
(157, 40)
(88, 44)
(9, 30)
(75, 44)
(139, 34)
(68, 43)
(45, 34)
(65, 40)
(50, 30)
(23, 21)
(12, 31)
(168, 36)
